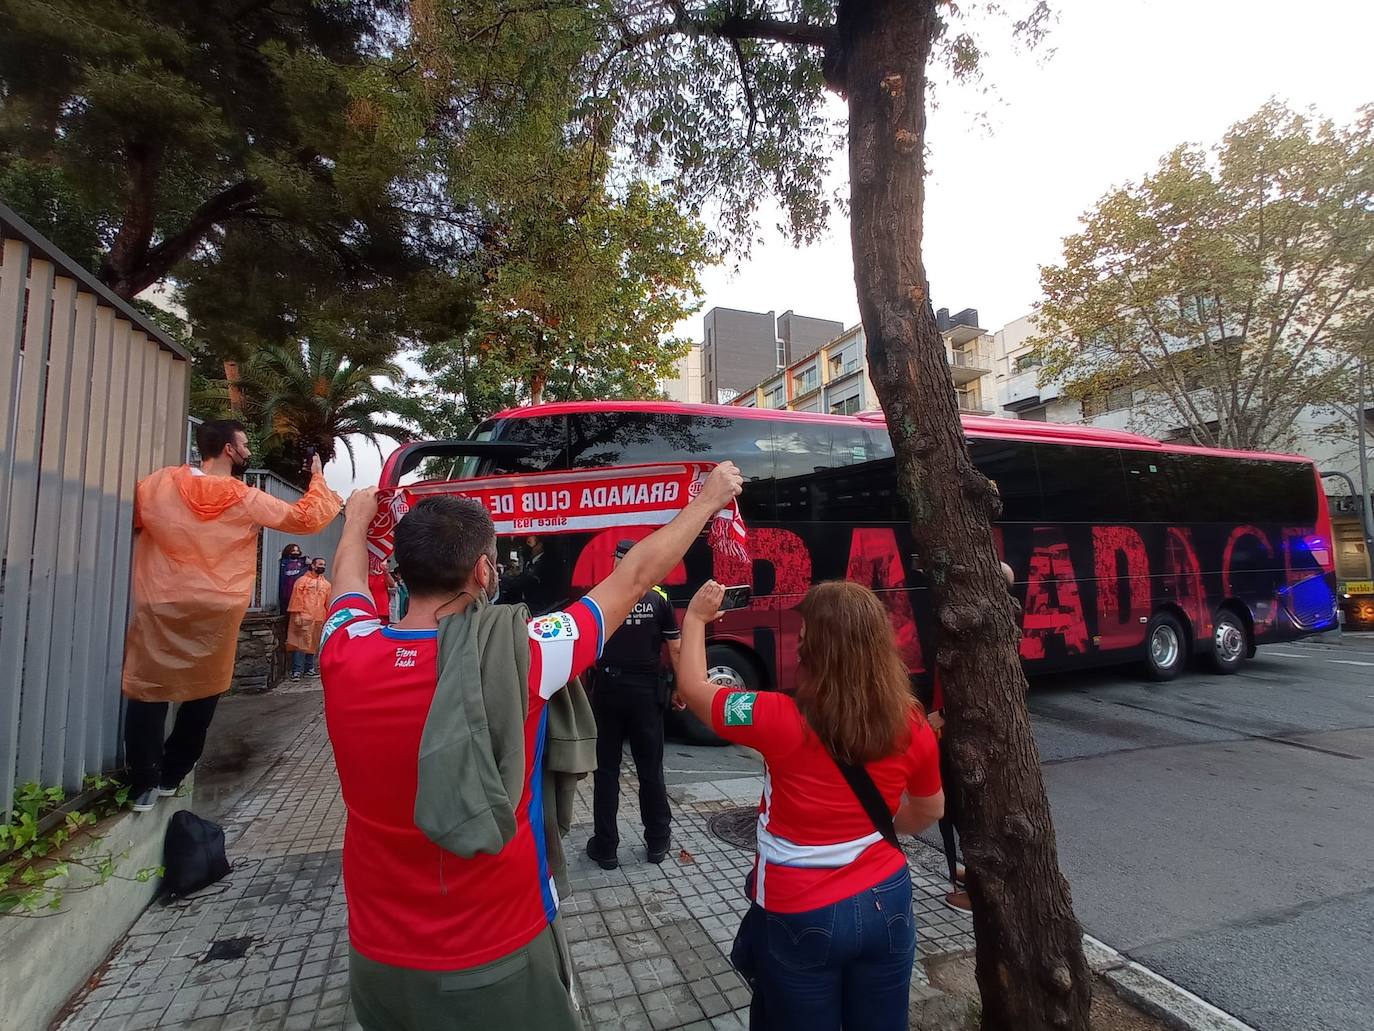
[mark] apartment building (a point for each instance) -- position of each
(742, 348)
(686, 383)
(833, 378)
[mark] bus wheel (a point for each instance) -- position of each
(1230, 642)
(725, 667)
(1165, 649)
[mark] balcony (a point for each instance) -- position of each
(968, 364)
(1023, 391)
(971, 405)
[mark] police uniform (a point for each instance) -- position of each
(629, 697)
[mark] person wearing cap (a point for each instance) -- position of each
(629, 697)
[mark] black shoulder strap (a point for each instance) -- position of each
(870, 798)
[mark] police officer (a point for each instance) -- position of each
(629, 696)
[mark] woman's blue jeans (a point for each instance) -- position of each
(302, 662)
(844, 966)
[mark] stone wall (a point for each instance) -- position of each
(261, 662)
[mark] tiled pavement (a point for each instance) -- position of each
(267, 948)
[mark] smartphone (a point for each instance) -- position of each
(736, 597)
(309, 457)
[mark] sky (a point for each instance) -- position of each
(1126, 82)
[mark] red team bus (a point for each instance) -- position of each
(1124, 549)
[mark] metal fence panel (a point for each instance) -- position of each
(43, 713)
(69, 747)
(97, 525)
(92, 397)
(22, 504)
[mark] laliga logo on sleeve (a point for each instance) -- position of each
(553, 627)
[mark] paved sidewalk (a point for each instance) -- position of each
(268, 947)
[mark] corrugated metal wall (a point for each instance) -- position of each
(92, 396)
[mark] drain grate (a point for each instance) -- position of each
(736, 826)
(227, 948)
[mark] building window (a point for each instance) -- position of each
(849, 406)
(782, 354)
(808, 380)
(1029, 361)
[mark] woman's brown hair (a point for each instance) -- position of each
(853, 689)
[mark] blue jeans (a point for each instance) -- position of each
(847, 965)
(302, 662)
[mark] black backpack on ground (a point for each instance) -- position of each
(193, 854)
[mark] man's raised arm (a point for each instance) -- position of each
(653, 558)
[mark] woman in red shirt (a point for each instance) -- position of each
(830, 939)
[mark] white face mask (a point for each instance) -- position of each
(494, 584)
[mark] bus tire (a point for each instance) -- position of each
(726, 666)
(1230, 642)
(1166, 647)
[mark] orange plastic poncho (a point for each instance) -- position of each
(194, 565)
(309, 605)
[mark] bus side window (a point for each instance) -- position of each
(1010, 464)
(1082, 484)
(601, 439)
(548, 432)
(1161, 486)
(862, 488)
(801, 457)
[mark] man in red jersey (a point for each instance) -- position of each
(441, 941)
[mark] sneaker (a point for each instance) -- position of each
(656, 855)
(169, 792)
(959, 902)
(145, 801)
(295, 676)
(594, 854)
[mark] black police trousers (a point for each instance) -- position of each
(629, 707)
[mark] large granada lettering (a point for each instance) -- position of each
(1053, 622)
(1264, 612)
(781, 549)
(1121, 627)
(1183, 575)
(875, 560)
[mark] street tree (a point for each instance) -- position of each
(1230, 291)
(729, 100)
(578, 284)
(312, 396)
(135, 134)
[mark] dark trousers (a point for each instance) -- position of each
(950, 820)
(844, 965)
(629, 708)
(153, 762)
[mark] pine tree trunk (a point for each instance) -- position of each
(1031, 970)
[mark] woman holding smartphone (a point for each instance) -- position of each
(829, 939)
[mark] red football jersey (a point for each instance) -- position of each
(817, 846)
(410, 902)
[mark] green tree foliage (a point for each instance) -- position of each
(584, 286)
(138, 134)
(313, 396)
(1231, 289)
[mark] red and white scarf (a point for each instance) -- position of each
(574, 501)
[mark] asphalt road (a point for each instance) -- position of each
(1220, 830)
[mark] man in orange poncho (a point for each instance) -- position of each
(194, 564)
(309, 605)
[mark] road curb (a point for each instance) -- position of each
(1157, 995)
